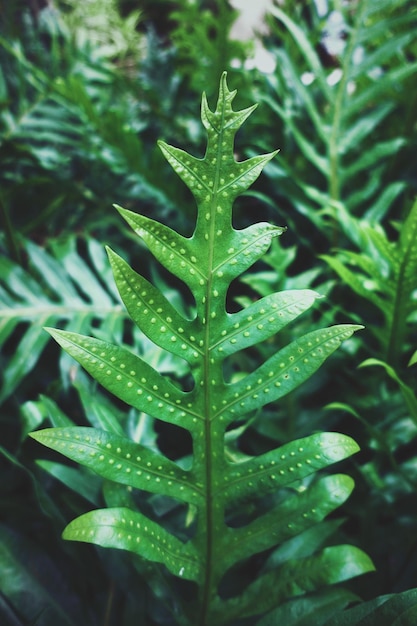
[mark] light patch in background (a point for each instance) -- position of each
(249, 25)
(334, 77)
(335, 28)
(307, 78)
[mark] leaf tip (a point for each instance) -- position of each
(110, 253)
(51, 331)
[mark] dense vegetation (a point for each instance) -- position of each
(86, 91)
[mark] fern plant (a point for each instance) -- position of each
(54, 123)
(236, 506)
(383, 272)
(58, 285)
(339, 106)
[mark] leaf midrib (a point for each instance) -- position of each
(209, 512)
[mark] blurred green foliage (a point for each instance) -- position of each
(84, 95)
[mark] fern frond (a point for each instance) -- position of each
(338, 118)
(207, 262)
(384, 273)
(56, 287)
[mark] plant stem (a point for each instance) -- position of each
(333, 146)
(212, 380)
(398, 322)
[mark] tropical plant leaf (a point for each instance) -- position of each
(207, 262)
(121, 460)
(346, 104)
(408, 393)
(384, 273)
(390, 610)
(128, 530)
(309, 609)
(45, 294)
(331, 565)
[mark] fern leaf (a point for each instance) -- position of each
(207, 262)
(129, 377)
(397, 609)
(286, 370)
(360, 284)
(387, 280)
(152, 312)
(129, 530)
(261, 320)
(407, 250)
(331, 565)
(333, 116)
(44, 295)
(293, 516)
(282, 467)
(121, 460)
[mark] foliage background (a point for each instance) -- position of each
(86, 89)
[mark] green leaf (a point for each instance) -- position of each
(390, 610)
(413, 359)
(354, 280)
(152, 312)
(331, 565)
(261, 320)
(380, 206)
(305, 47)
(30, 580)
(25, 357)
(305, 544)
(169, 248)
(46, 295)
(101, 412)
(359, 129)
(311, 609)
(119, 459)
(198, 399)
(285, 465)
(124, 529)
(308, 149)
(295, 514)
(286, 370)
(80, 482)
(57, 417)
(384, 273)
(377, 88)
(373, 156)
(407, 392)
(129, 377)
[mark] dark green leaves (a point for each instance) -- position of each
(329, 566)
(58, 287)
(391, 610)
(384, 272)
